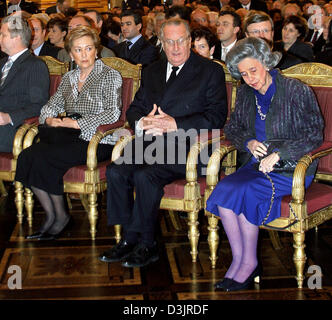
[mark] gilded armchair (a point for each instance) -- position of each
(313, 206)
(187, 195)
(89, 180)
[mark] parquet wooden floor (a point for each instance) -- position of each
(68, 268)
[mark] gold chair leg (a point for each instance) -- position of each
(193, 233)
(3, 190)
(117, 229)
(70, 206)
(19, 201)
(29, 203)
(299, 257)
(274, 237)
(85, 201)
(213, 238)
(93, 214)
(175, 220)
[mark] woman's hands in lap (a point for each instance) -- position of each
(259, 150)
(62, 122)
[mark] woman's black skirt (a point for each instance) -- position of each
(44, 164)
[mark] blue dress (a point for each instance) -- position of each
(248, 190)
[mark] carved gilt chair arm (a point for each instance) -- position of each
(101, 132)
(212, 173)
(202, 141)
(298, 189)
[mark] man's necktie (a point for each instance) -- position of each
(5, 70)
(223, 53)
(128, 44)
(314, 37)
(172, 76)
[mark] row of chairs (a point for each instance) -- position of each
(190, 194)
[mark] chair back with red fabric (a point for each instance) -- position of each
(130, 80)
(231, 89)
(56, 70)
(319, 77)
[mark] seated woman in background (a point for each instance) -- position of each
(293, 32)
(57, 31)
(273, 109)
(204, 41)
(91, 96)
(325, 56)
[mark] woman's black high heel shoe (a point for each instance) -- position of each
(48, 236)
(236, 286)
(222, 284)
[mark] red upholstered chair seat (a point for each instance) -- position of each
(317, 196)
(5, 161)
(77, 174)
(176, 189)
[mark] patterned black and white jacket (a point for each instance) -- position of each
(98, 102)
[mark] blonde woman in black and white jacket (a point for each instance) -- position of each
(91, 96)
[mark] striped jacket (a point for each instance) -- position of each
(294, 116)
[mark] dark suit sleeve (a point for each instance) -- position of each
(149, 55)
(37, 93)
(214, 114)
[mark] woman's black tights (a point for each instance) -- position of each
(56, 214)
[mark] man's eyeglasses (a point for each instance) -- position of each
(180, 42)
(258, 32)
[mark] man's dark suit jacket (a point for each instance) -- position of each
(255, 5)
(30, 7)
(51, 10)
(196, 99)
(24, 92)
(142, 52)
(320, 42)
(49, 50)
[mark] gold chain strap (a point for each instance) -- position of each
(271, 204)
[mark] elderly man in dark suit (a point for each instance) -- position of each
(179, 94)
(24, 80)
(135, 49)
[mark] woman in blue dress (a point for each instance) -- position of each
(269, 108)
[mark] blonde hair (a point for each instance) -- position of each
(80, 32)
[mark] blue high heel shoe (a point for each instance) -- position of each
(236, 286)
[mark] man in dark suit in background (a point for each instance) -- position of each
(181, 92)
(251, 5)
(135, 49)
(60, 7)
(21, 5)
(38, 44)
(24, 82)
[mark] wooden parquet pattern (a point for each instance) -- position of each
(68, 268)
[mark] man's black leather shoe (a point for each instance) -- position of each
(118, 252)
(141, 256)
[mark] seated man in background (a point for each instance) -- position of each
(260, 25)
(24, 82)
(135, 49)
(77, 21)
(182, 92)
(38, 44)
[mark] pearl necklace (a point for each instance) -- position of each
(259, 109)
(83, 80)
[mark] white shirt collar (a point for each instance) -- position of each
(169, 70)
(17, 55)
